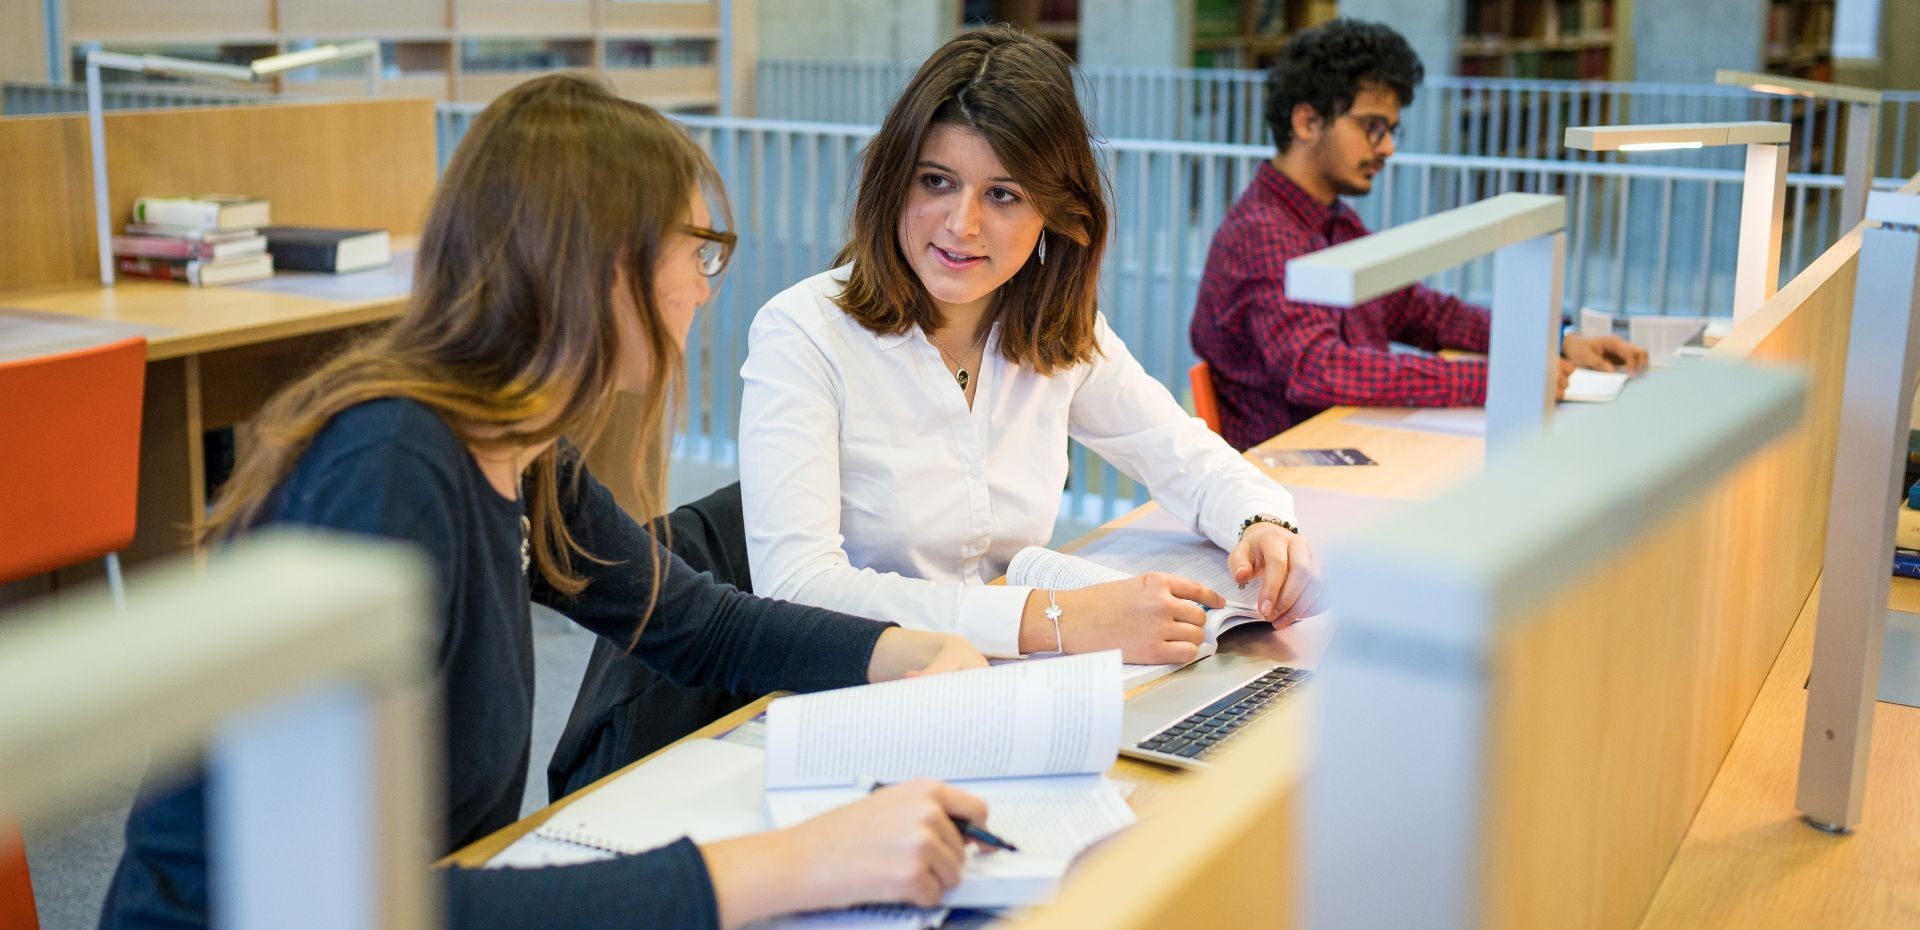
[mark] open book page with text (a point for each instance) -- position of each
(1029, 718)
(1032, 739)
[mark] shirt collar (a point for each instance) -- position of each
(1295, 200)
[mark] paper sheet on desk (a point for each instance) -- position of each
(1455, 421)
(28, 333)
(1586, 386)
(387, 281)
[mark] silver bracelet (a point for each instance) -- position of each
(1053, 614)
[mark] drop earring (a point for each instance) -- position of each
(1043, 248)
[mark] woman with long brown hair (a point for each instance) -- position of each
(906, 417)
(569, 245)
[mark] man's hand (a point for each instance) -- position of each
(1603, 353)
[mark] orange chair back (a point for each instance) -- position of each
(70, 477)
(16, 888)
(1206, 404)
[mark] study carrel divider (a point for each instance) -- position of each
(1614, 701)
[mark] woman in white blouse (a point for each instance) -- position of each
(905, 423)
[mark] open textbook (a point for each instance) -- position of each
(1031, 739)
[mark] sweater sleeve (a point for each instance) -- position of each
(667, 887)
(699, 632)
(164, 882)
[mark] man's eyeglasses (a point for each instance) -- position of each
(715, 251)
(1377, 128)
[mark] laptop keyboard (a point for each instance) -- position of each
(1199, 734)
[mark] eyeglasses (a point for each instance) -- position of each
(715, 251)
(1377, 128)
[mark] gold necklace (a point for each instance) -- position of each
(960, 368)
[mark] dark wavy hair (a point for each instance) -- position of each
(1327, 65)
(1017, 92)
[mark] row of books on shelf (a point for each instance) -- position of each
(1535, 19)
(212, 239)
(1591, 64)
(1805, 24)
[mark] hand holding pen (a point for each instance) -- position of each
(967, 828)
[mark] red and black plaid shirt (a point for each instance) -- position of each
(1277, 362)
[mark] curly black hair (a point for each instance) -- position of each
(1327, 65)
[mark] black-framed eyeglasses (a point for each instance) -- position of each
(1377, 128)
(716, 251)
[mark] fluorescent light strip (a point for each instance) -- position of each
(1656, 146)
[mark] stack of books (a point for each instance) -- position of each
(204, 240)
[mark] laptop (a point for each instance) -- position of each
(1194, 712)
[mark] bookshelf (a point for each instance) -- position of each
(1249, 33)
(663, 52)
(1800, 39)
(1552, 39)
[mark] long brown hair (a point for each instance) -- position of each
(512, 321)
(1017, 92)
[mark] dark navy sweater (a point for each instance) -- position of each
(393, 468)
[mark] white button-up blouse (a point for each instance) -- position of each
(871, 488)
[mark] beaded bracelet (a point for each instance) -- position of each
(1053, 614)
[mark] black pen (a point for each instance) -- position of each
(966, 827)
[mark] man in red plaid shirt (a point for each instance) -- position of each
(1333, 105)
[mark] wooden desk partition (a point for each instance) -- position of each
(1610, 710)
(355, 163)
(1521, 720)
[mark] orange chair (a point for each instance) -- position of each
(70, 479)
(16, 888)
(1206, 404)
(68, 488)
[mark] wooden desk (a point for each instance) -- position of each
(1747, 861)
(214, 355)
(1401, 454)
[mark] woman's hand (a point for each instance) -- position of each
(897, 845)
(904, 653)
(1151, 619)
(1285, 567)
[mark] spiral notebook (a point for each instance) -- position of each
(702, 789)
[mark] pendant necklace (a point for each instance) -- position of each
(526, 531)
(960, 368)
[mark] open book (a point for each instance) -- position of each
(1193, 558)
(1031, 739)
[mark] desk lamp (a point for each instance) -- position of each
(1756, 273)
(1856, 630)
(186, 67)
(1863, 127)
(1524, 234)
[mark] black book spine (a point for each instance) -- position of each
(302, 256)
